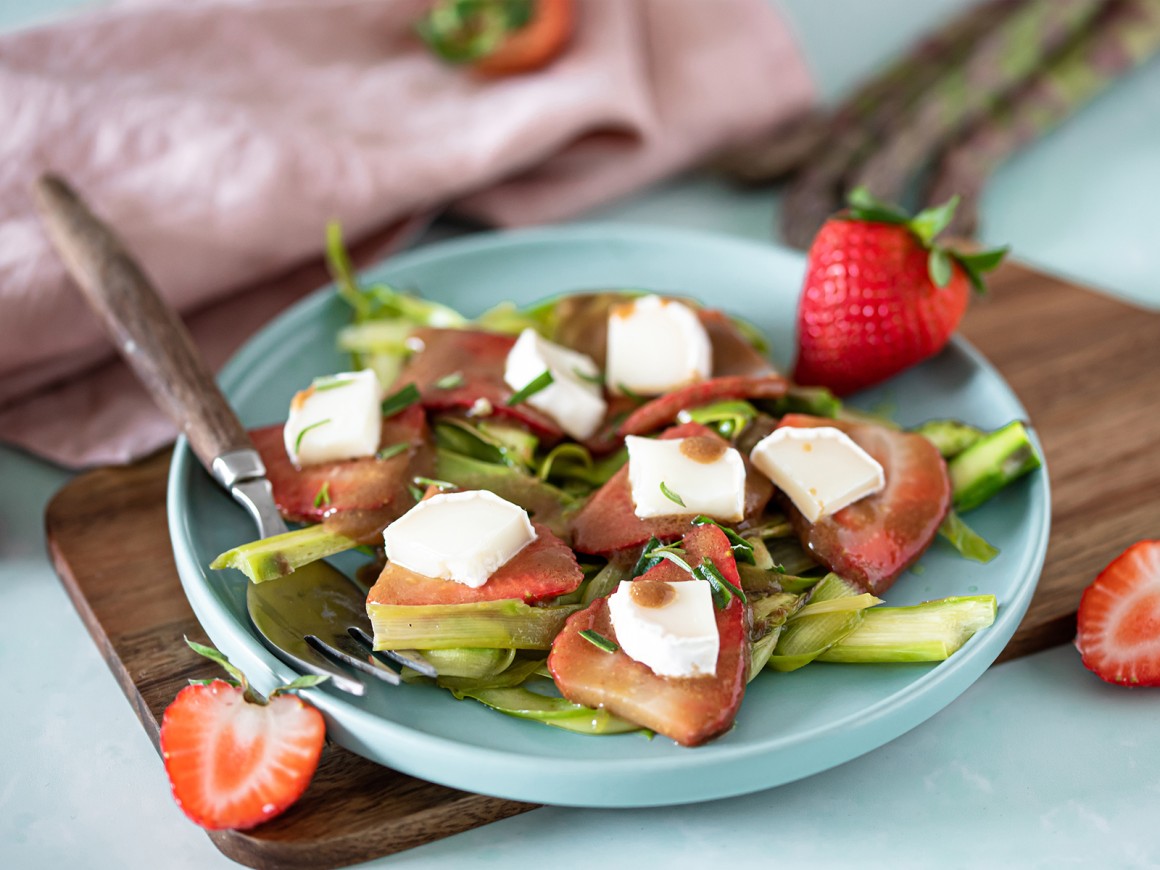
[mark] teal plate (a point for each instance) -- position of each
(790, 725)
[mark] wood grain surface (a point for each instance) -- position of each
(1086, 366)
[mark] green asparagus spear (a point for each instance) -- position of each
(278, 555)
(526, 704)
(950, 436)
(1000, 61)
(990, 464)
(1126, 34)
(928, 632)
(807, 637)
(817, 191)
(506, 624)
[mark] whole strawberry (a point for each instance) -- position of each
(235, 759)
(880, 295)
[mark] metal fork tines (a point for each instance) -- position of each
(362, 656)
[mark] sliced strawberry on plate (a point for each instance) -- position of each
(874, 540)
(478, 358)
(544, 569)
(376, 486)
(1119, 619)
(688, 710)
(664, 409)
(234, 760)
(608, 521)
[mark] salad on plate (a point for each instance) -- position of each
(608, 512)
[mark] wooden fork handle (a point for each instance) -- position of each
(144, 327)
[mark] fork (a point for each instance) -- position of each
(314, 618)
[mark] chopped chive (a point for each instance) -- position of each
(540, 382)
(654, 553)
(670, 495)
(323, 497)
(393, 450)
(723, 590)
(599, 641)
(298, 440)
(400, 401)
(451, 381)
(331, 383)
(625, 391)
(438, 484)
(597, 379)
(742, 549)
(416, 493)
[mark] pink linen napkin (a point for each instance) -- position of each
(219, 137)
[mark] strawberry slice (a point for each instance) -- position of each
(479, 358)
(544, 569)
(608, 521)
(689, 710)
(233, 760)
(1119, 619)
(317, 492)
(664, 410)
(874, 540)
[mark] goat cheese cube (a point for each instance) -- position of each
(460, 536)
(821, 469)
(655, 345)
(670, 627)
(336, 417)
(572, 401)
(697, 475)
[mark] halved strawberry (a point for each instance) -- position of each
(874, 540)
(478, 357)
(689, 710)
(1119, 619)
(608, 521)
(664, 409)
(234, 760)
(315, 492)
(544, 569)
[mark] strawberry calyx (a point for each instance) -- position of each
(238, 678)
(926, 226)
(466, 31)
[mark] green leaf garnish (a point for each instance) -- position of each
(723, 590)
(301, 435)
(400, 400)
(670, 495)
(625, 391)
(323, 496)
(540, 382)
(450, 382)
(654, 553)
(332, 383)
(938, 264)
(416, 493)
(463, 31)
(742, 549)
(599, 641)
(438, 484)
(392, 450)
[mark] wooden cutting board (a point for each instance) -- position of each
(1086, 367)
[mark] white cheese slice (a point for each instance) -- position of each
(677, 639)
(573, 402)
(655, 345)
(460, 536)
(821, 469)
(707, 477)
(336, 417)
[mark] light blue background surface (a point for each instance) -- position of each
(1037, 765)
